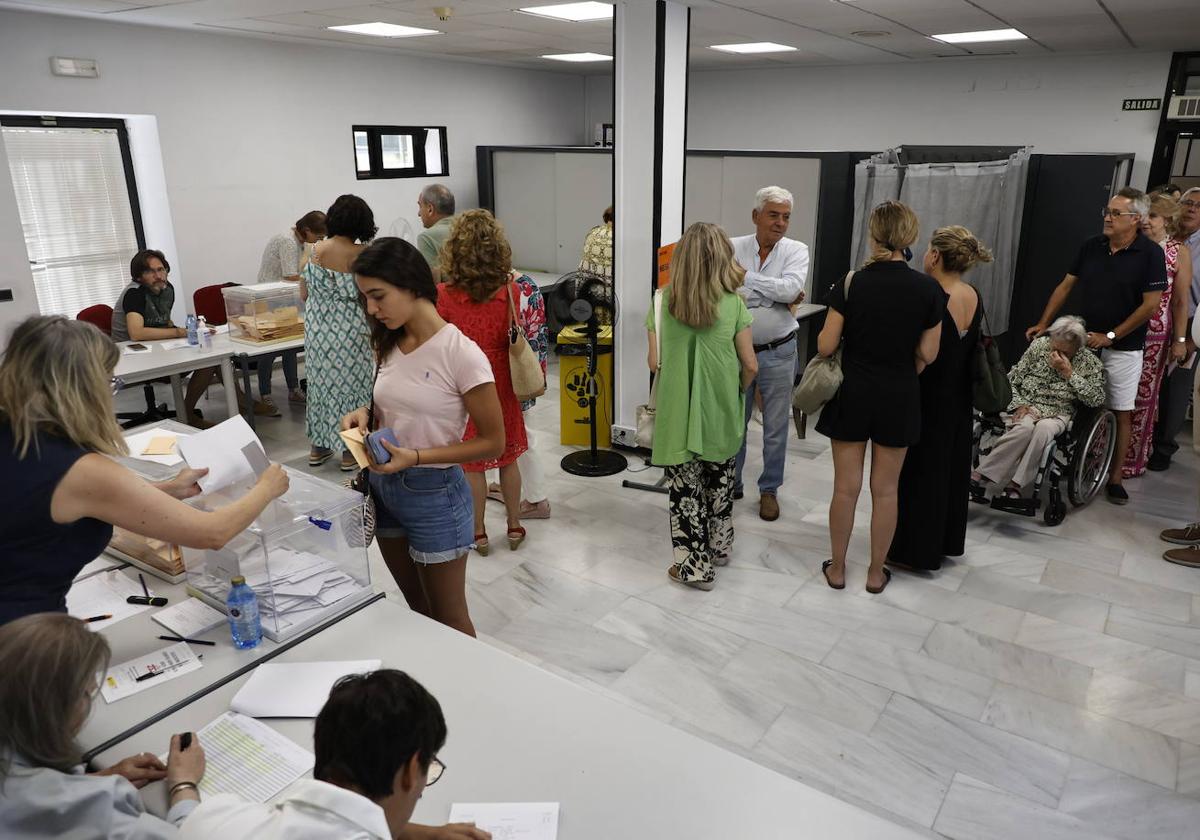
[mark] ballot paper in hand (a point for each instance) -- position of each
(294, 689)
(230, 452)
(510, 820)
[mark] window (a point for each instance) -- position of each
(78, 206)
(393, 151)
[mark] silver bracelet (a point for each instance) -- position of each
(178, 785)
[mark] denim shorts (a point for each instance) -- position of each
(431, 508)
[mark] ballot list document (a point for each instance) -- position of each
(249, 758)
(510, 820)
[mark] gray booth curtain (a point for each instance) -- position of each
(986, 197)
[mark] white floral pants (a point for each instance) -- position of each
(701, 506)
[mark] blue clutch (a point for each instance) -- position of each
(375, 443)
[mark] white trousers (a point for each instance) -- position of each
(1018, 453)
(533, 477)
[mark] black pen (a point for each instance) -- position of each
(190, 641)
(150, 674)
(145, 591)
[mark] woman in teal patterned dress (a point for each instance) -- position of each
(337, 348)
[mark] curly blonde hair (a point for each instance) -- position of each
(959, 248)
(477, 257)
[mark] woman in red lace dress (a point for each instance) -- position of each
(476, 298)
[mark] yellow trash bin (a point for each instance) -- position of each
(574, 387)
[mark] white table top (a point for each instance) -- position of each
(807, 310)
(138, 367)
(520, 734)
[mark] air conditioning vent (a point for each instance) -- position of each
(1184, 108)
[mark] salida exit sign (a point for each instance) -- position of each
(1141, 104)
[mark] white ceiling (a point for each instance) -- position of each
(824, 31)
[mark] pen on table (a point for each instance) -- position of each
(190, 641)
(97, 618)
(155, 673)
(145, 591)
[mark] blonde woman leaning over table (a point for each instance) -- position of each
(61, 496)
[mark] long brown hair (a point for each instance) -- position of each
(50, 662)
(702, 270)
(477, 257)
(56, 378)
(893, 227)
(398, 264)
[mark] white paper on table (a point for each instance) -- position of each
(510, 820)
(174, 661)
(141, 440)
(294, 689)
(189, 618)
(104, 594)
(226, 451)
(249, 758)
(176, 344)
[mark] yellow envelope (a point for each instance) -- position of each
(163, 445)
(353, 438)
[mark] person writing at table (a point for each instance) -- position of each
(61, 495)
(44, 791)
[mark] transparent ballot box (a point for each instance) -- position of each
(305, 556)
(264, 314)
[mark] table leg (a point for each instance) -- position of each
(243, 362)
(230, 389)
(177, 395)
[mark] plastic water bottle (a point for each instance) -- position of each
(193, 334)
(244, 622)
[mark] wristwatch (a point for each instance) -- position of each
(1110, 335)
(1181, 340)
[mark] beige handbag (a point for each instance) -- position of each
(822, 375)
(645, 413)
(528, 379)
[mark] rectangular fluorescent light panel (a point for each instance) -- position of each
(758, 47)
(579, 57)
(384, 30)
(981, 37)
(577, 12)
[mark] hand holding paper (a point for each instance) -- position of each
(230, 451)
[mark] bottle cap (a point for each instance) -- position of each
(238, 581)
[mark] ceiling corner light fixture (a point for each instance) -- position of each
(380, 29)
(982, 36)
(578, 57)
(753, 48)
(575, 12)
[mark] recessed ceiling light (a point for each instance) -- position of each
(981, 36)
(572, 11)
(757, 47)
(579, 57)
(384, 30)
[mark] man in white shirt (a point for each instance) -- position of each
(375, 741)
(776, 270)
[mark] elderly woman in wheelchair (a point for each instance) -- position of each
(1057, 373)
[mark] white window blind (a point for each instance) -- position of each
(73, 200)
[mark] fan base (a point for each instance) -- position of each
(593, 464)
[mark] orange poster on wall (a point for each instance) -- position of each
(664, 264)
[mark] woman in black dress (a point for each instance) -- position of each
(888, 320)
(932, 520)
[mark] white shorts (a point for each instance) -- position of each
(1124, 370)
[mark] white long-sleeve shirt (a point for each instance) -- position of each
(312, 810)
(771, 284)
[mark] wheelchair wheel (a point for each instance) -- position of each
(1095, 441)
(1056, 509)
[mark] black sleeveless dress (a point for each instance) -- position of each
(932, 517)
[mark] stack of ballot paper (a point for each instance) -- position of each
(300, 585)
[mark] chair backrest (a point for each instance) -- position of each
(99, 315)
(209, 304)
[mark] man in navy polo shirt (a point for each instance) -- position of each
(1121, 275)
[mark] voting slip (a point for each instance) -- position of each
(249, 759)
(510, 820)
(104, 594)
(189, 618)
(294, 689)
(168, 663)
(230, 451)
(141, 446)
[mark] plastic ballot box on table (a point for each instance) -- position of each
(575, 386)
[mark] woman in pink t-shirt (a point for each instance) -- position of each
(431, 380)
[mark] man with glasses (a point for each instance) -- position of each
(376, 742)
(1176, 392)
(1121, 275)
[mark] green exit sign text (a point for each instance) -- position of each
(1141, 104)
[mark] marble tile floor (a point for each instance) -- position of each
(1045, 684)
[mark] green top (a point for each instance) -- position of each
(1036, 384)
(430, 240)
(700, 403)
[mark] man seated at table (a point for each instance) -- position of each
(143, 313)
(376, 743)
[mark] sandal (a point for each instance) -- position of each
(516, 536)
(887, 578)
(481, 544)
(825, 571)
(694, 583)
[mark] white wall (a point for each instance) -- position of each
(254, 133)
(1057, 104)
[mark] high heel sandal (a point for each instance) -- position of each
(481, 544)
(516, 536)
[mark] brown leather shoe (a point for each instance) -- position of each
(1189, 556)
(768, 507)
(1187, 535)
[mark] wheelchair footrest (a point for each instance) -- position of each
(1024, 507)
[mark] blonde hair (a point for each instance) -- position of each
(56, 378)
(893, 226)
(1168, 208)
(477, 256)
(52, 660)
(959, 248)
(702, 270)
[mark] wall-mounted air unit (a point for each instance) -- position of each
(1184, 108)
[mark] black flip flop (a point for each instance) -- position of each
(825, 571)
(887, 578)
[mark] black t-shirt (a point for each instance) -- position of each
(1112, 285)
(889, 306)
(154, 309)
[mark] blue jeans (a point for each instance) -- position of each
(430, 507)
(776, 376)
(266, 366)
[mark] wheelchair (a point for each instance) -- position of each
(1082, 454)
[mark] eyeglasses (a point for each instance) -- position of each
(436, 769)
(1190, 203)
(117, 384)
(1105, 213)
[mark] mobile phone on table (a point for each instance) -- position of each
(375, 443)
